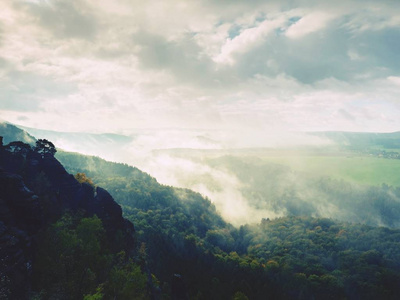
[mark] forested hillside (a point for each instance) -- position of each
(293, 257)
(199, 150)
(69, 240)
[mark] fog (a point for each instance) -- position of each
(199, 75)
(248, 177)
(156, 152)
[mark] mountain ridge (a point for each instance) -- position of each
(35, 192)
(190, 249)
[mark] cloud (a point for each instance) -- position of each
(180, 58)
(246, 40)
(310, 23)
(65, 19)
(146, 64)
(375, 18)
(394, 79)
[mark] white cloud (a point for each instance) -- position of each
(190, 65)
(247, 39)
(375, 18)
(394, 79)
(311, 22)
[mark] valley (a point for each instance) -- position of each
(314, 223)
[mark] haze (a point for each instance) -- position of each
(250, 67)
(198, 75)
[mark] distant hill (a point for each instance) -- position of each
(103, 144)
(183, 248)
(360, 140)
(12, 133)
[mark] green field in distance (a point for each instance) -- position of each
(360, 169)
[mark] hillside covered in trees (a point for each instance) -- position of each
(64, 237)
(59, 238)
(293, 257)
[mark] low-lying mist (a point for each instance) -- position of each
(238, 175)
(246, 188)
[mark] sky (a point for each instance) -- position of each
(252, 66)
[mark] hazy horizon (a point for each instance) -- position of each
(234, 164)
(201, 75)
(243, 183)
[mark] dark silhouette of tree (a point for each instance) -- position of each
(18, 147)
(44, 147)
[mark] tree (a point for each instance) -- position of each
(18, 147)
(44, 147)
(240, 296)
(82, 178)
(72, 258)
(126, 282)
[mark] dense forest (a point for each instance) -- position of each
(293, 257)
(68, 237)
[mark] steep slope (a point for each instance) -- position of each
(20, 217)
(286, 258)
(35, 192)
(170, 222)
(181, 238)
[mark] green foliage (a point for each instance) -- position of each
(221, 238)
(45, 147)
(321, 258)
(73, 260)
(126, 282)
(240, 296)
(98, 295)
(295, 257)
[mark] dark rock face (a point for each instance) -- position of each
(20, 218)
(178, 290)
(34, 192)
(15, 262)
(19, 206)
(111, 214)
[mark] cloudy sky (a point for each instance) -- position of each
(115, 65)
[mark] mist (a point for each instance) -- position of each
(257, 106)
(179, 158)
(247, 177)
(253, 76)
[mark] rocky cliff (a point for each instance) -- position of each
(35, 190)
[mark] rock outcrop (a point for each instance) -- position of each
(35, 190)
